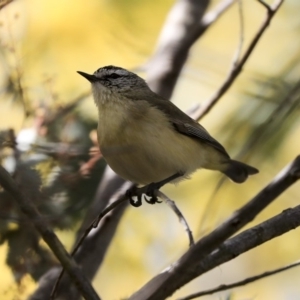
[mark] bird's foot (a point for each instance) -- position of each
(134, 192)
(149, 190)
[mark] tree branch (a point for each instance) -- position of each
(87, 231)
(48, 236)
(289, 220)
(184, 270)
(179, 214)
(239, 48)
(238, 67)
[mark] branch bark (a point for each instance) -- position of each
(91, 254)
(48, 236)
(245, 241)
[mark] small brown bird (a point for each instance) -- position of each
(147, 139)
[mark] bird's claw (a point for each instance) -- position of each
(147, 191)
(153, 198)
(133, 192)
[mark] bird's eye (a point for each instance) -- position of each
(114, 75)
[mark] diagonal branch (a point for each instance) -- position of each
(87, 231)
(288, 219)
(179, 214)
(184, 270)
(239, 49)
(48, 236)
(3, 3)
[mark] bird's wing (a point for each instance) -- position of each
(186, 125)
(199, 132)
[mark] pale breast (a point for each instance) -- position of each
(140, 144)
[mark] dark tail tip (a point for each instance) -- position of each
(238, 171)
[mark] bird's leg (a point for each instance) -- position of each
(149, 190)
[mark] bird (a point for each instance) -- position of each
(147, 139)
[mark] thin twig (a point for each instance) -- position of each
(179, 214)
(224, 287)
(239, 48)
(266, 5)
(92, 226)
(108, 209)
(276, 226)
(48, 236)
(209, 104)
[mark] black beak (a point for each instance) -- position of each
(90, 78)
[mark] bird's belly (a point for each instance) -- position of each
(153, 154)
(141, 145)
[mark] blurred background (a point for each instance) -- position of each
(47, 108)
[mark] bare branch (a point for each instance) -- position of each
(249, 239)
(248, 280)
(209, 104)
(183, 271)
(92, 252)
(179, 214)
(48, 236)
(267, 6)
(88, 230)
(120, 199)
(239, 49)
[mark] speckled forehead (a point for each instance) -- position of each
(109, 70)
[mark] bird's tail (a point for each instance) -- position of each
(238, 171)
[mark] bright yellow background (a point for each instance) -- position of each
(53, 39)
